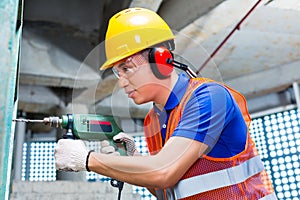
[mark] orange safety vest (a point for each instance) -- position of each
(237, 177)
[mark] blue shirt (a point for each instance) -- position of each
(211, 116)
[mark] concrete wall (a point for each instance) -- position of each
(69, 190)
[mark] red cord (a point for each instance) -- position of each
(237, 27)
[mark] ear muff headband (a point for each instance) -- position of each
(158, 58)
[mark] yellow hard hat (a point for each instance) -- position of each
(131, 31)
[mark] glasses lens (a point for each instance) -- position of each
(116, 72)
(129, 66)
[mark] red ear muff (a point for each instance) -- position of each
(158, 58)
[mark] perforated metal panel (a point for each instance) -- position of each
(278, 140)
(40, 164)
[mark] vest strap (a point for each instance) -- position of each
(218, 179)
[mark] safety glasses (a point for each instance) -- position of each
(129, 66)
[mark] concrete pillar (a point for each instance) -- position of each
(297, 94)
(10, 34)
(18, 151)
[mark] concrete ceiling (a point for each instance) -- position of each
(62, 49)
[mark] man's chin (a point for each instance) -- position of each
(139, 101)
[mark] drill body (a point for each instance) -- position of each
(88, 127)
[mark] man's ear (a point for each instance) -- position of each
(158, 59)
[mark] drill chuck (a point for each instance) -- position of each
(53, 121)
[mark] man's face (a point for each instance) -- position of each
(136, 77)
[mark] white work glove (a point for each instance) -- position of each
(121, 137)
(70, 155)
(106, 148)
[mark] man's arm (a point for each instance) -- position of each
(159, 171)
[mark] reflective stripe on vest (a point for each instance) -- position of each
(171, 196)
(218, 179)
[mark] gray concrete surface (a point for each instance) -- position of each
(69, 190)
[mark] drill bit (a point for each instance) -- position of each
(29, 120)
(49, 121)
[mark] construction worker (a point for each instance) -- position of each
(197, 131)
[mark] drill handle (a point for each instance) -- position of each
(119, 147)
(69, 135)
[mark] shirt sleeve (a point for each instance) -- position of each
(204, 116)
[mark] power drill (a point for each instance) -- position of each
(86, 127)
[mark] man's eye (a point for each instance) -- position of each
(125, 69)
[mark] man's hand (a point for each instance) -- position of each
(70, 155)
(129, 143)
(121, 137)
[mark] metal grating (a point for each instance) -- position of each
(40, 164)
(278, 140)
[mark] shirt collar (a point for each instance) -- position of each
(176, 93)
